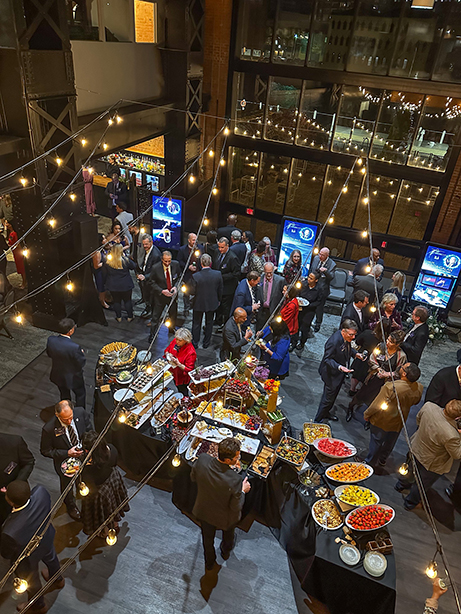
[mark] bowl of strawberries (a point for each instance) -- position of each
(370, 517)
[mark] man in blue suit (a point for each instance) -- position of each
(30, 509)
(194, 264)
(336, 361)
(207, 286)
(248, 296)
(68, 360)
(364, 265)
(237, 246)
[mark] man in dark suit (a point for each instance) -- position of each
(271, 289)
(234, 337)
(336, 362)
(117, 191)
(16, 463)
(62, 438)
(364, 265)
(314, 294)
(207, 287)
(226, 231)
(144, 262)
(367, 284)
(220, 497)
(68, 360)
(445, 385)
(416, 339)
(194, 264)
(356, 311)
(30, 510)
(237, 246)
(226, 262)
(163, 280)
(248, 296)
(326, 267)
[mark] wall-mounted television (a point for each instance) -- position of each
(167, 222)
(297, 234)
(152, 182)
(438, 275)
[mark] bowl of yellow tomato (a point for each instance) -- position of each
(352, 496)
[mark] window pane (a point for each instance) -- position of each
(396, 261)
(448, 66)
(383, 192)
(256, 26)
(272, 185)
(318, 111)
(356, 120)
(251, 93)
(337, 247)
(334, 181)
(304, 189)
(374, 36)
(145, 21)
(83, 20)
(330, 32)
(413, 209)
(118, 20)
(266, 229)
(417, 41)
(436, 134)
(283, 109)
(292, 33)
(396, 126)
(244, 163)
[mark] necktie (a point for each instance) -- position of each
(72, 435)
(144, 262)
(240, 331)
(253, 297)
(221, 259)
(168, 278)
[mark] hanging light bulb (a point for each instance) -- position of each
(184, 288)
(176, 461)
(105, 146)
(339, 168)
(23, 182)
(83, 489)
(360, 161)
(111, 538)
(344, 189)
(384, 405)
(25, 252)
(83, 142)
(210, 153)
(149, 370)
(215, 191)
(122, 417)
(197, 253)
(170, 202)
(364, 233)
(431, 570)
(316, 250)
(366, 200)
(206, 221)
(142, 230)
(69, 286)
(119, 119)
(278, 319)
(72, 196)
(110, 121)
(403, 469)
(298, 285)
(90, 170)
(363, 170)
(226, 130)
(168, 323)
(331, 220)
(58, 161)
(191, 178)
(20, 585)
(18, 318)
(222, 162)
(372, 308)
(109, 256)
(52, 222)
(219, 404)
(368, 269)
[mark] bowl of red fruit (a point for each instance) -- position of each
(370, 517)
(334, 448)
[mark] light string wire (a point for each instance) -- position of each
(86, 258)
(416, 472)
(35, 539)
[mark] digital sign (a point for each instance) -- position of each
(166, 222)
(152, 182)
(438, 276)
(297, 234)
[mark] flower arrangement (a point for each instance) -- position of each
(271, 385)
(437, 329)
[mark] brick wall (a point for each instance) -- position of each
(447, 218)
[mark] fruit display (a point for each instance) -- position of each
(214, 411)
(262, 400)
(70, 466)
(263, 462)
(334, 448)
(276, 416)
(348, 473)
(235, 386)
(370, 517)
(313, 431)
(202, 374)
(292, 450)
(261, 373)
(208, 447)
(271, 385)
(253, 424)
(326, 514)
(357, 496)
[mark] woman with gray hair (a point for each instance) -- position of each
(388, 311)
(181, 355)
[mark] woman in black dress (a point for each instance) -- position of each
(107, 489)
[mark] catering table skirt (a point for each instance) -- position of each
(138, 450)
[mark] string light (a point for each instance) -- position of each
(90, 170)
(122, 417)
(191, 178)
(20, 585)
(360, 161)
(368, 269)
(344, 189)
(366, 200)
(110, 121)
(142, 230)
(184, 288)
(111, 538)
(431, 570)
(170, 202)
(197, 253)
(384, 405)
(211, 153)
(52, 222)
(72, 196)
(23, 181)
(331, 220)
(403, 469)
(83, 142)
(222, 162)
(18, 318)
(364, 233)
(278, 319)
(316, 250)
(105, 146)
(176, 461)
(206, 221)
(69, 286)
(119, 119)
(58, 161)
(149, 370)
(372, 308)
(167, 323)
(226, 130)
(298, 285)
(109, 256)
(83, 489)
(25, 252)
(363, 170)
(215, 191)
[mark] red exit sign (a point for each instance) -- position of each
(250, 211)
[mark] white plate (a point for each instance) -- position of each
(375, 564)
(386, 507)
(349, 554)
(122, 394)
(225, 432)
(339, 490)
(123, 382)
(184, 444)
(303, 301)
(144, 356)
(346, 443)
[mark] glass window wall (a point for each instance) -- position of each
(273, 181)
(448, 65)
(118, 20)
(414, 206)
(356, 120)
(292, 32)
(251, 92)
(83, 19)
(282, 112)
(244, 173)
(318, 112)
(304, 189)
(256, 28)
(330, 33)
(333, 184)
(383, 194)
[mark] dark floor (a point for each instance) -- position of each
(157, 563)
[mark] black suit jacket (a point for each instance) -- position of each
(230, 271)
(226, 231)
(54, 442)
(240, 251)
(367, 283)
(183, 255)
(351, 314)
(233, 340)
(207, 286)
(154, 257)
(21, 526)
(362, 264)
(337, 352)
(16, 460)
(414, 345)
(444, 387)
(121, 191)
(157, 279)
(68, 360)
(219, 492)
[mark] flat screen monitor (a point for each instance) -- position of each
(152, 182)
(138, 176)
(438, 276)
(123, 173)
(166, 222)
(297, 234)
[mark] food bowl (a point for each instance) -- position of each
(184, 417)
(344, 448)
(349, 473)
(144, 356)
(374, 521)
(361, 491)
(326, 515)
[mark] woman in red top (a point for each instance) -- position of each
(289, 313)
(182, 355)
(17, 252)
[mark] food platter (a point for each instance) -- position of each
(349, 473)
(117, 356)
(375, 564)
(166, 410)
(203, 374)
(334, 448)
(309, 478)
(292, 451)
(313, 431)
(70, 466)
(379, 516)
(351, 496)
(124, 377)
(226, 416)
(263, 462)
(326, 515)
(122, 394)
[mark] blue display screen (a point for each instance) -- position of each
(166, 222)
(152, 182)
(299, 235)
(437, 277)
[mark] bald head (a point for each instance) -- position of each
(324, 253)
(240, 315)
(376, 254)
(232, 220)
